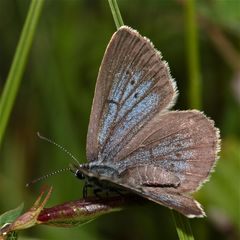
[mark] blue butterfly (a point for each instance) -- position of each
(134, 142)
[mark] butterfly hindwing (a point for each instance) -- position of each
(174, 200)
(182, 143)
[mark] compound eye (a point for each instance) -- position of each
(80, 175)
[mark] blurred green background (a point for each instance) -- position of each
(56, 94)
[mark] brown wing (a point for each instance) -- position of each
(174, 200)
(184, 144)
(133, 85)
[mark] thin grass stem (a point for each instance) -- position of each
(195, 86)
(183, 226)
(116, 13)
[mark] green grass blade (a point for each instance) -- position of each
(193, 55)
(183, 226)
(116, 13)
(18, 65)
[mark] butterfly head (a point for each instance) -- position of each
(79, 175)
(80, 171)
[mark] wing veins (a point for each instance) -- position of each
(142, 146)
(128, 131)
(119, 45)
(123, 72)
(143, 79)
(114, 125)
(124, 86)
(124, 60)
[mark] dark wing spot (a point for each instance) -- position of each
(135, 95)
(178, 155)
(128, 73)
(112, 101)
(132, 82)
(171, 167)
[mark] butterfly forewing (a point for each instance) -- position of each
(133, 85)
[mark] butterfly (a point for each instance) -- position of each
(134, 141)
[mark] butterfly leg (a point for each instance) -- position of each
(85, 189)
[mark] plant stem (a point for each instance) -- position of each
(18, 65)
(183, 226)
(193, 55)
(116, 13)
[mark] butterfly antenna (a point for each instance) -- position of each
(59, 146)
(47, 176)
